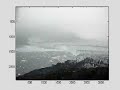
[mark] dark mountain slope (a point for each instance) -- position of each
(88, 69)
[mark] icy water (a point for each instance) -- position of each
(31, 58)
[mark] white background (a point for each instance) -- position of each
(7, 76)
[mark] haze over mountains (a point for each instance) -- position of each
(47, 36)
(77, 26)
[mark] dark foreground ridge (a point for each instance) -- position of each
(87, 69)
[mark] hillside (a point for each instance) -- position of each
(87, 69)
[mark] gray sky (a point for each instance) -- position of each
(55, 25)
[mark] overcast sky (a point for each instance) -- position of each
(61, 25)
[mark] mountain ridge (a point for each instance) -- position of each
(87, 69)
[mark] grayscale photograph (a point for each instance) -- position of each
(65, 43)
